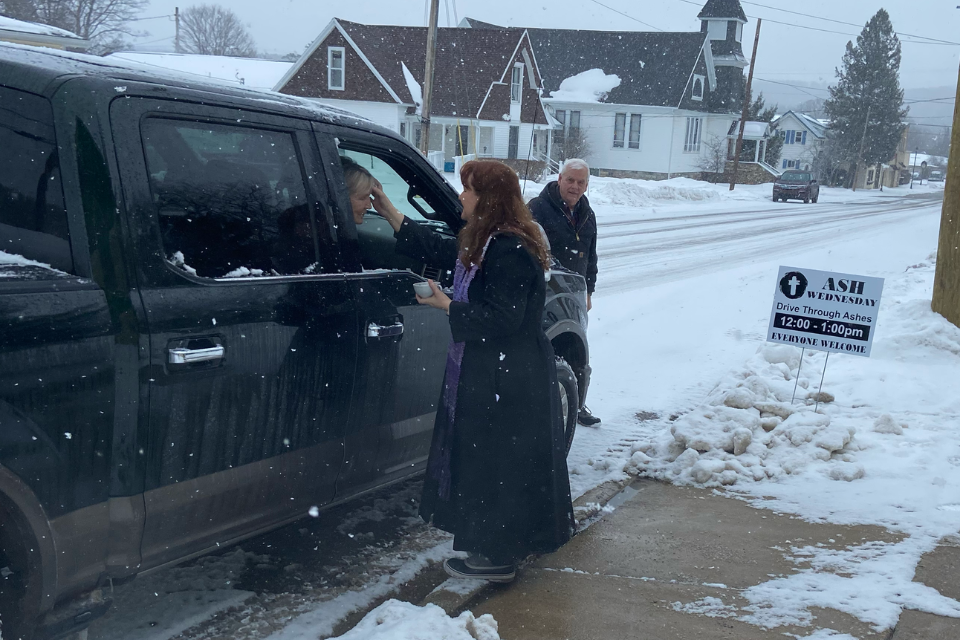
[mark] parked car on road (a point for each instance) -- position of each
(197, 342)
(796, 185)
(936, 176)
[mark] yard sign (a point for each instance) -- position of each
(835, 312)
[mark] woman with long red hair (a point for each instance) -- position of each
(497, 472)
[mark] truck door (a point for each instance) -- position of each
(253, 330)
(57, 350)
(403, 345)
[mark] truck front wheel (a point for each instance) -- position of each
(19, 580)
(569, 400)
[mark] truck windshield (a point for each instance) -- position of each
(795, 178)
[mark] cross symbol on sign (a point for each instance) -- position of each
(794, 283)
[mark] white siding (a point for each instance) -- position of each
(385, 114)
(661, 130)
(804, 153)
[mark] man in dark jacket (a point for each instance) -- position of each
(571, 227)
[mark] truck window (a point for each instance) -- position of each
(394, 186)
(33, 218)
(231, 201)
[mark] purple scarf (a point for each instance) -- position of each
(439, 466)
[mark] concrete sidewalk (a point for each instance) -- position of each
(627, 575)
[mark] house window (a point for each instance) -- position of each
(691, 143)
(335, 68)
(619, 124)
(801, 137)
(697, 93)
(513, 143)
(574, 121)
(635, 131)
(717, 30)
(791, 136)
(739, 32)
(516, 83)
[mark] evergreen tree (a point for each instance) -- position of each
(868, 82)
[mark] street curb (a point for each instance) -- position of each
(454, 595)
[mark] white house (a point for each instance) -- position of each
(803, 137)
(486, 92)
(646, 103)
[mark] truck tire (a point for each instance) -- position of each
(569, 400)
(19, 580)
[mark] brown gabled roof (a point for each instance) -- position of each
(468, 61)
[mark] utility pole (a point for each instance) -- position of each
(863, 142)
(176, 38)
(428, 77)
(746, 108)
(914, 170)
(946, 284)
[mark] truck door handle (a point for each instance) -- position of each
(182, 355)
(375, 330)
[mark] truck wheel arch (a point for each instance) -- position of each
(570, 343)
(21, 504)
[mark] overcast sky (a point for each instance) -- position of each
(788, 53)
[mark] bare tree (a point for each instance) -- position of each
(716, 151)
(215, 30)
(104, 22)
(572, 143)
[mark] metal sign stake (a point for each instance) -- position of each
(820, 390)
(797, 381)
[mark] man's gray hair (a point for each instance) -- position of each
(575, 163)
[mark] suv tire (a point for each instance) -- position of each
(569, 400)
(19, 580)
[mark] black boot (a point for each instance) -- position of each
(586, 418)
(474, 567)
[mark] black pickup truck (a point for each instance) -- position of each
(197, 342)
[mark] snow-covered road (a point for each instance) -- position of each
(638, 249)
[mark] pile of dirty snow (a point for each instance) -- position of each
(771, 419)
(395, 620)
(748, 429)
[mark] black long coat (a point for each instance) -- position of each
(574, 246)
(510, 493)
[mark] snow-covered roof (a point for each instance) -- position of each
(753, 130)
(47, 64)
(816, 126)
(42, 34)
(251, 72)
(653, 67)
(591, 85)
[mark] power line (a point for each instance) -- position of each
(930, 100)
(842, 33)
(646, 24)
(851, 24)
(150, 18)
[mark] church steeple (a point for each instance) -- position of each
(723, 10)
(722, 22)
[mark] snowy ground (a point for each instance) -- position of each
(687, 273)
